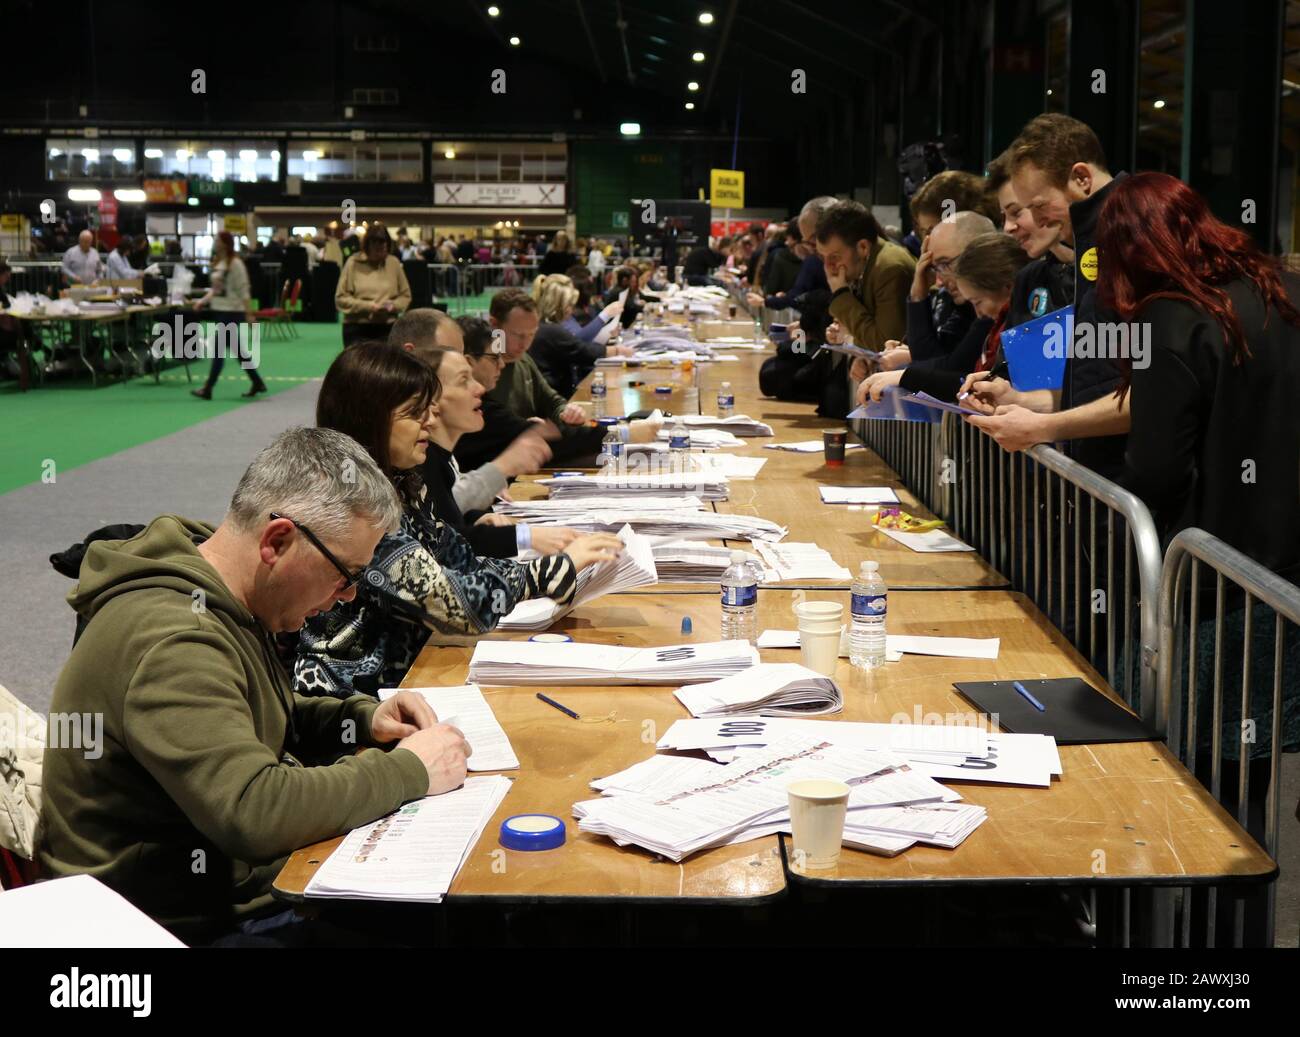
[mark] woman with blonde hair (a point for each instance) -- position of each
(564, 350)
(559, 257)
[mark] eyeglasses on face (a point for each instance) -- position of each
(351, 579)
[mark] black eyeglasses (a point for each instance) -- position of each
(351, 579)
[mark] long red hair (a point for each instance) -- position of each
(1157, 239)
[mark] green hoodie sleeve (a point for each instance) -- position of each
(187, 721)
(322, 724)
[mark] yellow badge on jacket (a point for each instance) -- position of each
(1088, 264)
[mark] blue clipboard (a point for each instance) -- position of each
(896, 406)
(1036, 350)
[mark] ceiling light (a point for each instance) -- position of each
(83, 194)
(153, 153)
(493, 11)
(181, 154)
(129, 194)
(690, 106)
(310, 156)
(449, 153)
(227, 201)
(629, 129)
(248, 155)
(192, 201)
(706, 18)
(692, 85)
(1159, 103)
(514, 41)
(124, 154)
(698, 56)
(217, 155)
(90, 154)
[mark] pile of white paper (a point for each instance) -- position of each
(728, 466)
(768, 689)
(413, 854)
(634, 567)
(681, 518)
(703, 485)
(738, 424)
(689, 561)
(808, 446)
(703, 438)
(465, 707)
(792, 561)
(857, 495)
(534, 662)
(675, 809)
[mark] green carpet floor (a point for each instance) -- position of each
(72, 423)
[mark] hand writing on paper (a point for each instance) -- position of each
(445, 754)
(1013, 428)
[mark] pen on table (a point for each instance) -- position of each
(564, 709)
(1028, 697)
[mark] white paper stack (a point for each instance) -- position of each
(704, 438)
(465, 707)
(413, 854)
(689, 561)
(634, 567)
(744, 800)
(738, 424)
(768, 689)
(625, 485)
(683, 518)
(808, 446)
(728, 466)
(534, 662)
(792, 561)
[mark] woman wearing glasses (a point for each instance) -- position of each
(425, 576)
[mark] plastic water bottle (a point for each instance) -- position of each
(679, 439)
(739, 600)
(598, 394)
(611, 450)
(726, 400)
(870, 600)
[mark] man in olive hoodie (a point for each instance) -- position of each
(202, 779)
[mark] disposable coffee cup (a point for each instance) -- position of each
(817, 809)
(732, 309)
(833, 444)
(819, 634)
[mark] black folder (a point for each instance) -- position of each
(1076, 713)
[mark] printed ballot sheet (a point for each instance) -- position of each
(953, 744)
(809, 446)
(532, 662)
(768, 689)
(857, 495)
(932, 541)
(466, 708)
(794, 561)
(413, 854)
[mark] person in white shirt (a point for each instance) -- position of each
(119, 261)
(81, 263)
(596, 262)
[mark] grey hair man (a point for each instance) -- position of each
(211, 769)
(946, 242)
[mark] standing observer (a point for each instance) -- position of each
(372, 291)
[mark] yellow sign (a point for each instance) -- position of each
(1088, 264)
(11, 222)
(237, 224)
(727, 187)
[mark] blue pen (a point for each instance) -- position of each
(1028, 697)
(562, 709)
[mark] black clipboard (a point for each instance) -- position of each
(1076, 713)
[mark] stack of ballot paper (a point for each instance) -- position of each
(634, 567)
(768, 689)
(738, 424)
(683, 518)
(535, 662)
(727, 466)
(614, 485)
(413, 854)
(808, 446)
(465, 707)
(675, 810)
(704, 438)
(791, 561)
(857, 495)
(689, 561)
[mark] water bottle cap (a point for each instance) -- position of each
(737, 557)
(870, 567)
(726, 385)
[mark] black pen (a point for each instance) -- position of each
(562, 709)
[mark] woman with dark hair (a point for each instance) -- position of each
(230, 300)
(372, 291)
(425, 576)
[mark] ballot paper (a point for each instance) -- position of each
(952, 647)
(738, 424)
(689, 561)
(413, 854)
(946, 825)
(78, 911)
(790, 639)
(795, 561)
(659, 774)
(808, 446)
(953, 744)
(768, 689)
(1012, 759)
(466, 708)
(683, 518)
(634, 567)
(742, 795)
(616, 485)
(534, 662)
(728, 466)
(857, 495)
(931, 541)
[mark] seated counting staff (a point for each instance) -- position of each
(423, 576)
(424, 331)
(209, 770)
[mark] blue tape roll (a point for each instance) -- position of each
(532, 832)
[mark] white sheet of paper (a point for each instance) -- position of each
(466, 706)
(857, 495)
(952, 647)
(77, 911)
(932, 541)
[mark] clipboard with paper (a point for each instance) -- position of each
(1035, 351)
(895, 405)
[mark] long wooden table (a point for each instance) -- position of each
(1130, 806)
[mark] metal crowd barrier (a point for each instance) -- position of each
(1239, 587)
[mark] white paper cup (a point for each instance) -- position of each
(820, 623)
(817, 808)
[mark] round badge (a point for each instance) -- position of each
(1088, 264)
